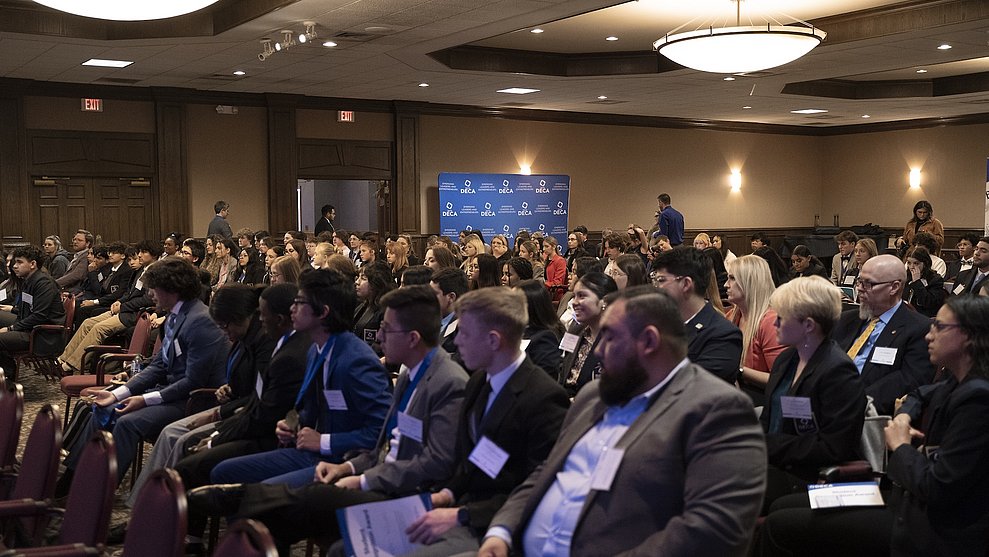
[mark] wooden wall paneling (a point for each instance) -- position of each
(170, 186)
(283, 172)
(335, 159)
(14, 184)
(407, 193)
(79, 153)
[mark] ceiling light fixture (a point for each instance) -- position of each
(267, 49)
(602, 97)
(127, 10)
(423, 84)
(921, 71)
(944, 47)
(808, 111)
(746, 107)
(611, 38)
(102, 63)
(741, 48)
(518, 90)
(729, 78)
(866, 116)
(536, 31)
(329, 44)
(310, 32)
(240, 72)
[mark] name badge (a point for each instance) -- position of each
(99, 277)
(849, 280)
(27, 298)
(524, 344)
(335, 400)
(410, 427)
(487, 456)
(797, 407)
(3, 295)
(451, 327)
(884, 356)
(177, 348)
(606, 469)
(370, 334)
(569, 342)
(139, 285)
(958, 289)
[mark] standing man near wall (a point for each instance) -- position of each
(669, 221)
(219, 224)
(325, 222)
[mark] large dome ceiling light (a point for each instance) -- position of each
(127, 10)
(739, 49)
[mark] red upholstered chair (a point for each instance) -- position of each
(102, 355)
(36, 479)
(87, 512)
(158, 523)
(246, 538)
(44, 361)
(11, 415)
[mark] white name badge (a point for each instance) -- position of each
(27, 298)
(958, 289)
(524, 344)
(410, 427)
(885, 356)
(860, 494)
(569, 342)
(451, 327)
(796, 407)
(138, 285)
(99, 277)
(487, 456)
(607, 467)
(177, 348)
(849, 280)
(3, 295)
(335, 400)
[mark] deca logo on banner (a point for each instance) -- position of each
(504, 187)
(467, 188)
(542, 187)
(525, 212)
(559, 209)
(449, 210)
(487, 212)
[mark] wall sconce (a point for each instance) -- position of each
(914, 177)
(735, 180)
(525, 169)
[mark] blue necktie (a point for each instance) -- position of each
(166, 345)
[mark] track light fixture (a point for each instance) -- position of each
(266, 49)
(310, 32)
(288, 39)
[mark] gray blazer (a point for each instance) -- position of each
(691, 481)
(437, 401)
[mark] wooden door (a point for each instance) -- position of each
(113, 209)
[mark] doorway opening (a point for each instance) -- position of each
(359, 203)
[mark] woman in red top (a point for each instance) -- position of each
(556, 264)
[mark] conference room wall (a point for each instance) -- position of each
(616, 172)
(322, 124)
(63, 113)
(866, 176)
(227, 159)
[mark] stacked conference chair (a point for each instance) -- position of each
(11, 415)
(35, 480)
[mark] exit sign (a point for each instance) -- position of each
(345, 116)
(92, 105)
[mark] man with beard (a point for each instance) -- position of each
(884, 336)
(658, 456)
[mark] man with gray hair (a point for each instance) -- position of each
(884, 336)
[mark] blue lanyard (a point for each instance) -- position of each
(413, 382)
(315, 364)
(234, 354)
(281, 342)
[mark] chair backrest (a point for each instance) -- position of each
(69, 305)
(87, 511)
(158, 523)
(142, 333)
(11, 415)
(39, 467)
(246, 538)
(3, 381)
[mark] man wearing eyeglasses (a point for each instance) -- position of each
(884, 336)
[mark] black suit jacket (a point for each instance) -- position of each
(715, 343)
(114, 283)
(523, 420)
(968, 279)
(253, 356)
(911, 367)
(586, 373)
(282, 381)
(837, 398)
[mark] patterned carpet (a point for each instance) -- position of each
(37, 393)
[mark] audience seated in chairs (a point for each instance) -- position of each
(38, 304)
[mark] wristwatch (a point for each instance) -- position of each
(463, 516)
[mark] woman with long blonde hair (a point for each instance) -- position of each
(473, 246)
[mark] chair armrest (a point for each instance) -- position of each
(855, 470)
(73, 550)
(199, 400)
(107, 359)
(23, 507)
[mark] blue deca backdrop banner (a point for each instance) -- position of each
(504, 204)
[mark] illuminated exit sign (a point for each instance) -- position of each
(345, 116)
(92, 105)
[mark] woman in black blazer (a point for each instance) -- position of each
(543, 334)
(580, 365)
(815, 398)
(925, 288)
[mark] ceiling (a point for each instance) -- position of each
(466, 50)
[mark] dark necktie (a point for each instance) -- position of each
(477, 412)
(167, 350)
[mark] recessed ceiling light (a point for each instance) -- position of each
(611, 38)
(329, 44)
(100, 63)
(536, 30)
(602, 97)
(423, 84)
(518, 90)
(945, 46)
(921, 71)
(729, 78)
(808, 111)
(866, 116)
(240, 72)
(746, 107)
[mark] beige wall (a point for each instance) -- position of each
(866, 175)
(322, 124)
(58, 113)
(228, 159)
(617, 172)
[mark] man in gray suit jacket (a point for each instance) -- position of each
(658, 457)
(412, 453)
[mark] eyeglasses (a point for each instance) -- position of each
(274, 274)
(869, 285)
(658, 279)
(384, 331)
(940, 327)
